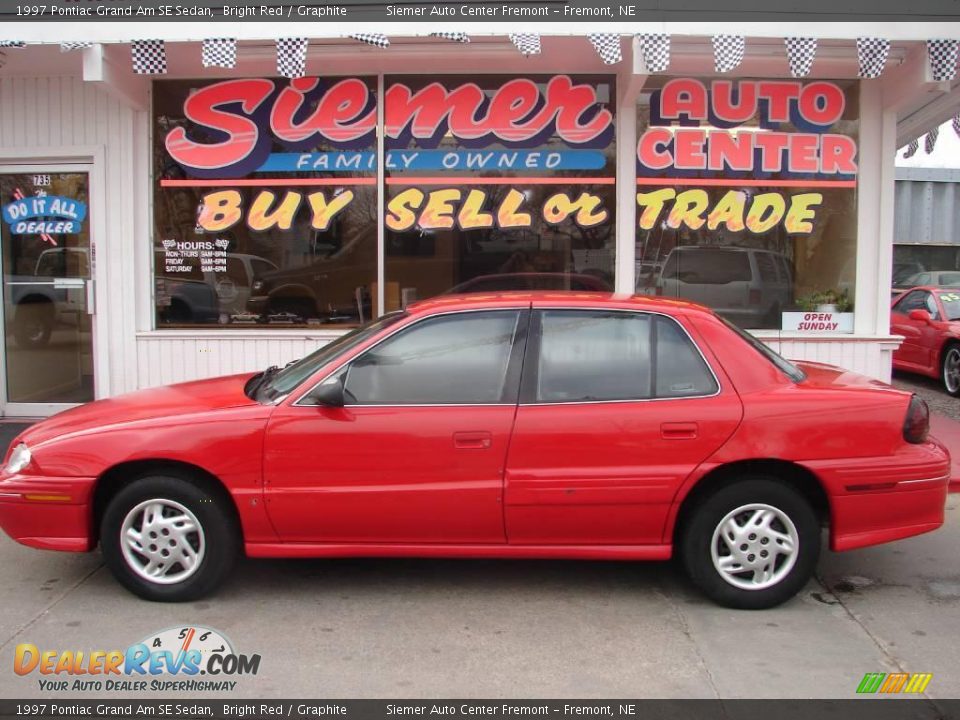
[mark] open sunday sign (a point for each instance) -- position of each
(49, 214)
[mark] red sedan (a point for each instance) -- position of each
(928, 318)
(523, 425)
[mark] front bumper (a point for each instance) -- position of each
(51, 513)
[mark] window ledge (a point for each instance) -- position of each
(244, 334)
(824, 337)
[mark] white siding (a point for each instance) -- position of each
(868, 356)
(51, 114)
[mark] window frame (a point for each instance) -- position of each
(897, 306)
(518, 345)
(531, 360)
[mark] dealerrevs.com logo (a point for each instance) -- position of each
(181, 659)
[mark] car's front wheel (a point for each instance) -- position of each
(950, 370)
(752, 544)
(166, 538)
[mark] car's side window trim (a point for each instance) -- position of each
(531, 363)
(511, 376)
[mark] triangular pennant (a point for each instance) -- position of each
(930, 140)
(943, 58)
(291, 57)
(376, 39)
(956, 124)
(871, 56)
(911, 149)
(607, 46)
(527, 43)
(456, 37)
(149, 57)
(12, 44)
(220, 52)
(69, 46)
(800, 54)
(728, 52)
(656, 51)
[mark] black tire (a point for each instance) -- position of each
(950, 353)
(221, 536)
(33, 324)
(697, 533)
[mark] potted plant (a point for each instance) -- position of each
(826, 301)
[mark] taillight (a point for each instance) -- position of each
(917, 423)
(754, 298)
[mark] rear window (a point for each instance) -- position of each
(708, 266)
(783, 365)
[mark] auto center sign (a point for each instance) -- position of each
(742, 134)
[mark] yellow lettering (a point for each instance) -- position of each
(471, 214)
(323, 211)
(802, 210)
(438, 214)
(652, 204)
(728, 211)
(766, 211)
(25, 658)
(220, 210)
(261, 218)
(400, 209)
(509, 214)
(688, 209)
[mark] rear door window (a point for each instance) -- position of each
(708, 266)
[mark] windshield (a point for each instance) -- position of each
(951, 305)
(284, 381)
(785, 366)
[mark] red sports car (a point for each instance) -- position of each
(517, 425)
(928, 318)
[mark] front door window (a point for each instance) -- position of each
(46, 263)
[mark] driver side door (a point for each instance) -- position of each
(417, 453)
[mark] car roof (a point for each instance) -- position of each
(552, 298)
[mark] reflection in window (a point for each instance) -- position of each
(455, 359)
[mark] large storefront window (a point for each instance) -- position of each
(265, 202)
(746, 193)
(498, 183)
(265, 194)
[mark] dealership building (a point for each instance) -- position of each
(202, 205)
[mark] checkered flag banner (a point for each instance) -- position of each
(291, 57)
(943, 58)
(800, 54)
(70, 46)
(456, 37)
(220, 52)
(656, 51)
(872, 56)
(956, 125)
(527, 43)
(149, 57)
(930, 140)
(12, 44)
(911, 149)
(728, 52)
(376, 39)
(607, 46)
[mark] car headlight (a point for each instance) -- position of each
(257, 285)
(19, 458)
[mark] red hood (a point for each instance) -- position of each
(821, 375)
(160, 402)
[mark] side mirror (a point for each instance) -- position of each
(920, 315)
(328, 394)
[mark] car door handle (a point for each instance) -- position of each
(679, 430)
(472, 440)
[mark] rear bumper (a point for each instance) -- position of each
(51, 513)
(886, 499)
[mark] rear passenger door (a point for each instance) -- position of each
(616, 409)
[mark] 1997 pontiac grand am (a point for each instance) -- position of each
(515, 425)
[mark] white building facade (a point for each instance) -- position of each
(206, 221)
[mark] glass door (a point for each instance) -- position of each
(47, 261)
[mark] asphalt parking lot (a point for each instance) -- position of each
(444, 628)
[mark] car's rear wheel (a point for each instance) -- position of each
(167, 539)
(950, 370)
(752, 544)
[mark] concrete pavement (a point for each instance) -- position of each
(443, 628)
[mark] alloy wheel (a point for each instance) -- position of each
(754, 546)
(162, 541)
(951, 370)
